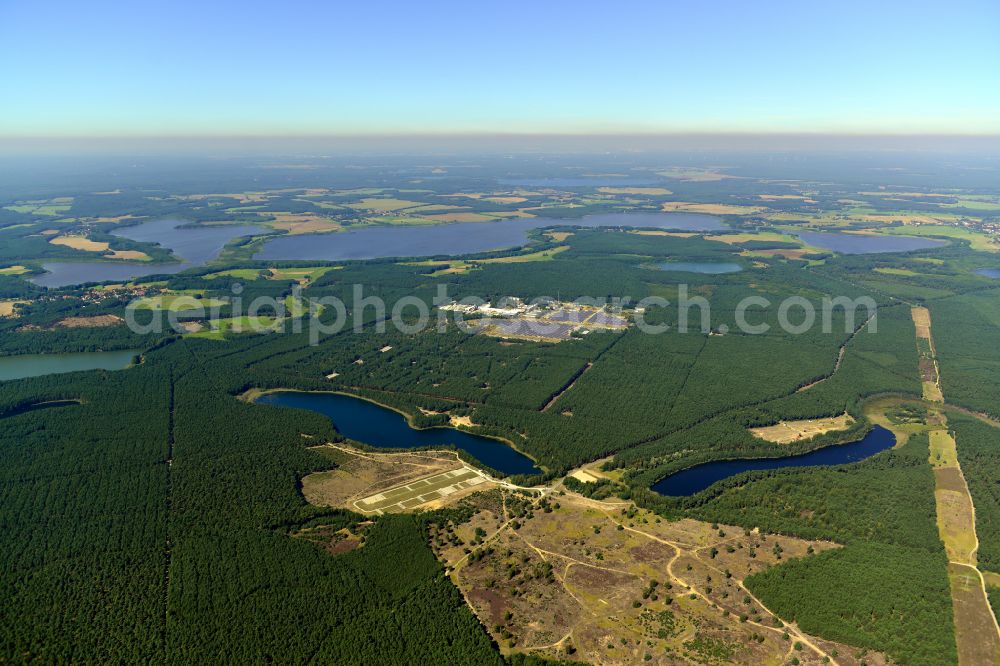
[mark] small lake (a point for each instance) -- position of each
(380, 427)
(196, 246)
(706, 267)
(989, 272)
(695, 479)
(376, 242)
(36, 365)
(866, 244)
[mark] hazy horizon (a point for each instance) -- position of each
(499, 143)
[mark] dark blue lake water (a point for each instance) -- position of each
(695, 479)
(989, 272)
(862, 244)
(196, 246)
(377, 426)
(706, 267)
(461, 238)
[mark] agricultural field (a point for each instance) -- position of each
(178, 302)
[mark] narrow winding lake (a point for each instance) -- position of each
(377, 242)
(695, 479)
(196, 246)
(866, 243)
(36, 365)
(380, 427)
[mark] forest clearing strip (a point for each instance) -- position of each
(579, 373)
(168, 544)
(568, 385)
(956, 519)
(840, 356)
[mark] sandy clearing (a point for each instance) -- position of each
(787, 432)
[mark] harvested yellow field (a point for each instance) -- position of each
(559, 236)
(787, 432)
(733, 239)
(651, 191)
(7, 308)
(454, 268)
(115, 219)
(129, 255)
(13, 270)
(709, 208)
(80, 243)
(303, 223)
(87, 245)
(459, 217)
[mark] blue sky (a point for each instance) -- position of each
(278, 68)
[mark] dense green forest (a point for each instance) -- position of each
(149, 524)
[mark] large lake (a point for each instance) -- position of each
(695, 479)
(989, 272)
(461, 238)
(36, 365)
(377, 426)
(196, 246)
(866, 244)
